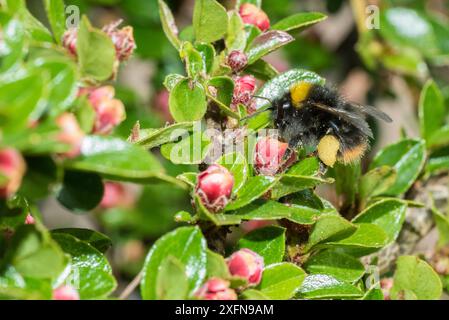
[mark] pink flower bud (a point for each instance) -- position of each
(251, 14)
(117, 195)
(69, 40)
(237, 60)
(12, 167)
(247, 265)
(70, 134)
(216, 289)
(30, 219)
(65, 293)
(161, 105)
(214, 187)
(269, 155)
(244, 89)
(123, 40)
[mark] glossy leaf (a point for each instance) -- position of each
(151, 138)
(376, 182)
(210, 20)
(171, 282)
(431, 111)
(13, 43)
(262, 70)
(268, 242)
(169, 24)
(321, 286)
(187, 101)
(192, 149)
(216, 266)
(281, 281)
(56, 16)
(236, 164)
(94, 238)
(236, 35)
(299, 21)
(188, 245)
(266, 43)
(195, 65)
(254, 188)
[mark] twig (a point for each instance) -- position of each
(131, 287)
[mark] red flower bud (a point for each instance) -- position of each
(117, 195)
(246, 264)
(69, 40)
(251, 14)
(237, 60)
(12, 167)
(244, 89)
(30, 219)
(110, 112)
(216, 289)
(123, 40)
(214, 187)
(65, 293)
(269, 155)
(70, 134)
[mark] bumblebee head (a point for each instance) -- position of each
(299, 93)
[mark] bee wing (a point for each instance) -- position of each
(350, 117)
(372, 111)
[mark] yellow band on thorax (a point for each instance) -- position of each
(299, 92)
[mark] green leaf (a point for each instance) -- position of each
(376, 182)
(440, 138)
(329, 227)
(341, 266)
(195, 65)
(224, 89)
(109, 157)
(187, 101)
(374, 294)
(188, 150)
(217, 218)
(236, 35)
(266, 43)
(88, 267)
(438, 164)
(151, 138)
(56, 16)
(442, 223)
(171, 281)
(210, 20)
(188, 245)
(268, 242)
(252, 294)
(96, 52)
(414, 278)
(216, 266)
(367, 238)
(34, 255)
(431, 110)
(94, 238)
(347, 181)
(299, 21)
(81, 191)
(13, 43)
(281, 281)
(407, 157)
(169, 24)
(322, 286)
(273, 210)
(386, 214)
(207, 53)
(254, 188)
(40, 178)
(262, 70)
(172, 80)
(236, 164)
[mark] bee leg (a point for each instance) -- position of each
(328, 148)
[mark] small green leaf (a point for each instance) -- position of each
(440, 138)
(254, 188)
(262, 70)
(386, 214)
(414, 278)
(207, 52)
(341, 266)
(268, 242)
(172, 80)
(281, 281)
(195, 65)
(431, 111)
(236, 164)
(81, 191)
(94, 238)
(236, 35)
(88, 266)
(347, 181)
(407, 157)
(322, 286)
(188, 245)
(299, 21)
(96, 52)
(151, 138)
(210, 20)
(218, 219)
(56, 16)
(169, 24)
(216, 266)
(266, 43)
(188, 150)
(187, 101)
(13, 44)
(376, 182)
(442, 223)
(171, 281)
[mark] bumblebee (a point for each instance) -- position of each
(311, 115)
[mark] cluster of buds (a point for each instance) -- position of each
(244, 89)
(255, 16)
(123, 40)
(70, 134)
(109, 112)
(117, 195)
(12, 168)
(237, 60)
(269, 156)
(65, 292)
(214, 187)
(244, 264)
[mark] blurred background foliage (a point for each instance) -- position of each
(386, 67)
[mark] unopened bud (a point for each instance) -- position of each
(216, 289)
(244, 90)
(70, 134)
(117, 195)
(246, 264)
(69, 40)
(251, 14)
(237, 60)
(269, 156)
(214, 187)
(65, 293)
(30, 219)
(12, 168)
(123, 40)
